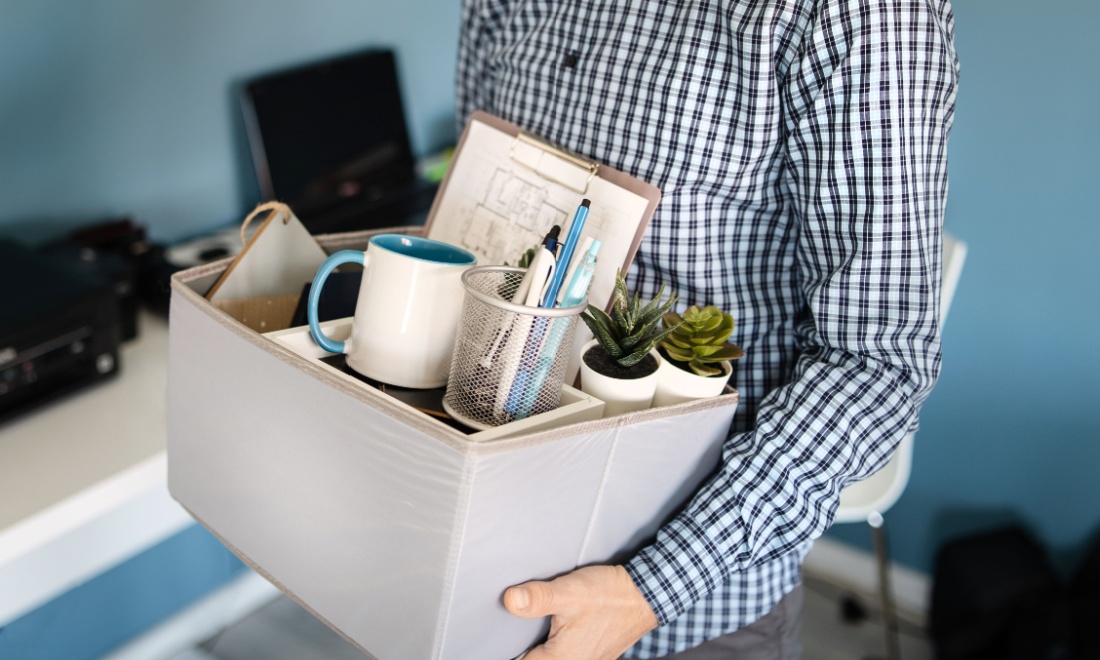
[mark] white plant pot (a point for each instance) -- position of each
(620, 395)
(674, 385)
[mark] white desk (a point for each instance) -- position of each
(83, 480)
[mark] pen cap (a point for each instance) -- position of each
(571, 268)
(580, 277)
(509, 360)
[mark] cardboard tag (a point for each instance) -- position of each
(262, 286)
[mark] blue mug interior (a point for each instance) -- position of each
(424, 248)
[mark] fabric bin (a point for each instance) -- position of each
(397, 531)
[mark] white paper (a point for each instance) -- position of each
(497, 208)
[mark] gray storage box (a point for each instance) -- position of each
(400, 532)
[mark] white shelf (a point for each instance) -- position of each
(83, 480)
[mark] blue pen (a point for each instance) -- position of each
(550, 242)
(523, 378)
(526, 370)
(566, 255)
(574, 294)
(518, 392)
(527, 332)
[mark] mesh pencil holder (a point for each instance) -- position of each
(509, 359)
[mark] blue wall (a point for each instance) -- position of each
(123, 106)
(112, 107)
(1012, 431)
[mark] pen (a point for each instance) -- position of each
(578, 283)
(567, 249)
(571, 272)
(574, 295)
(545, 271)
(524, 285)
(550, 242)
(542, 268)
(512, 374)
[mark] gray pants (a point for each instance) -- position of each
(773, 637)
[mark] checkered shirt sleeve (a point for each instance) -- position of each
(801, 150)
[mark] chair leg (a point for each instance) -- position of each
(889, 614)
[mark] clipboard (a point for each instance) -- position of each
(562, 174)
(506, 187)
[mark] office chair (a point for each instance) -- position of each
(867, 500)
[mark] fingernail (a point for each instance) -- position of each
(520, 598)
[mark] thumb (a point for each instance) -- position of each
(530, 600)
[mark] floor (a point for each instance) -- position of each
(827, 636)
(282, 630)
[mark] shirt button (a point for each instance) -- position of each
(570, 59)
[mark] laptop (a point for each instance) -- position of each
(329, 138)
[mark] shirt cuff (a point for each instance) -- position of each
(680, 568)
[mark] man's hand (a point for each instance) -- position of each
(597, 613)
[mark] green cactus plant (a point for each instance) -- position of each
(697, 341)
(631, 330)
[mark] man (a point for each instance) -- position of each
(800, 147)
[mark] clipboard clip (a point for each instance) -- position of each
(553, 163)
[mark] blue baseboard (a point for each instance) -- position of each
(113, 608)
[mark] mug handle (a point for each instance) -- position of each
(337, 259)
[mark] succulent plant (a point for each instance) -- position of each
(631, 331)
(527, 257)
(697, 341)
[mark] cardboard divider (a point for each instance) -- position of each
(575, 406)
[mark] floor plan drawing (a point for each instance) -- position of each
(497, 204)
(497, 208)
(512, 215)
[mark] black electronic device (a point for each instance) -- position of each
(329, 139)
(59, 330)
(118, 250)
(97, 264)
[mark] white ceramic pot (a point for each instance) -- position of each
(674, 385)
(618, 394)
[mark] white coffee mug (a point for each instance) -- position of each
(407, 313)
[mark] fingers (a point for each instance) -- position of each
(596, 613)
(530, 600)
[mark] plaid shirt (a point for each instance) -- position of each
(800, 148)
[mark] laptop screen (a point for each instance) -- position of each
(330, 136)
